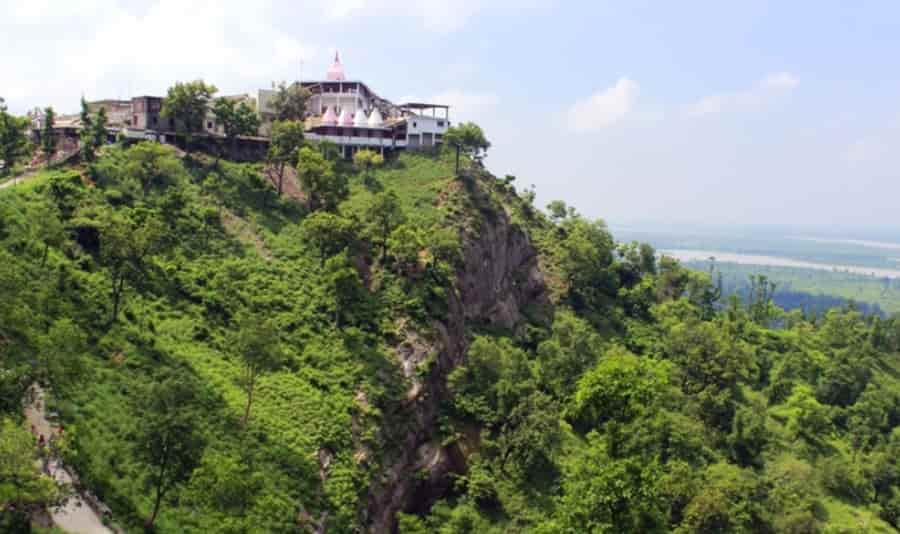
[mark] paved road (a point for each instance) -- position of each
(76, 516)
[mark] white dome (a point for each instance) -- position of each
(375, 120)
(359, 118)
(345, 119)
(329, 118)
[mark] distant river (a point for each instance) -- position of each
(686, 255)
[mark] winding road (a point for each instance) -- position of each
(76, 516)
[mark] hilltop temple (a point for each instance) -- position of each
(343, 111)
(351, 115)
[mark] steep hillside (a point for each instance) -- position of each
(426, 352)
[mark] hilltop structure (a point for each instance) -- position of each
(351, 115)
(345, 112)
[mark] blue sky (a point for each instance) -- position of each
(674, 112)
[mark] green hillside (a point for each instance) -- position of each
(424, 351)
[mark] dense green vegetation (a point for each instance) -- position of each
(225, 359)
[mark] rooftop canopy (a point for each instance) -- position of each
(420, 105)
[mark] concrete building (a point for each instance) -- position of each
(351, 115)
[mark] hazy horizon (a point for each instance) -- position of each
(762, 113)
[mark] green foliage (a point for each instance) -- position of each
(289, 102)
(48, 136)
(168, 437)
(286, 138)
(236, 119)
(187, 104)
(24, 489)
(467, 138)
(324, 187)
(13, 143)
(619, 388)
(625, 398)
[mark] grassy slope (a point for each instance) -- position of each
(297, 410)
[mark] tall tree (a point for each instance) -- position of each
(98, 130)
(168, 437)
(23, 488)
(13, 141)
(237, 119)
(255, 342)
(48, 136)
(289, 102)
(384, 214)
(467, 138)
(365, 160)
(324, 188)
(328, 232)
(286, 140)
(126, 244)
(187, 103)
(87, 132)
(93, 131)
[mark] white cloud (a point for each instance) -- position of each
(769, 85)
(110, 50)
(604, 107)
(779, 80)
(865, 150)
(434, 15)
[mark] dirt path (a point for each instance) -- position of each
(18, 179)
(76, 516)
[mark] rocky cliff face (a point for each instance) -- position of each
(499, 280)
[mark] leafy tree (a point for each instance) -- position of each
(323, 187)
(169, 439)
(51, 231)
(712, 361)
(126, 245)
(329, 233)
(187, 103)
(349, 301)
(619, 388)
(406, 243)
(289, 102)
(61, 350)
(286, 140)
(760, 299)
(86, 138)
(600, 494)
(572, 348)
(584, 252)
(24, 489)
(365, 160)
(255, 342)
(66, 190)
(731, 499)
(384, 214)
(749, 435)
(236, 119)
(98, 129)
(467, 138)
(13, 141)
(48, 136)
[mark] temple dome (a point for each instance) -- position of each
(345, 119)
(336, 70)
(329, 118)
(359, 118)
(375, 120)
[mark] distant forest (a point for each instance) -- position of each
(814, 292)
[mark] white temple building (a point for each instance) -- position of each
(349, 114)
